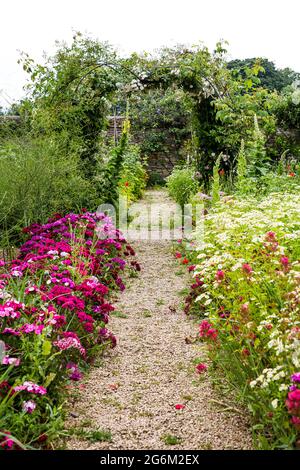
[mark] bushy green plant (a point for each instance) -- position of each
(245, 289)
(69, 95)
(133, 175)
(36, 180)
(182, 184)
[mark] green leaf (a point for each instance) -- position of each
(46, 348)
(50, 377)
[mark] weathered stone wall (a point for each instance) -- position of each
(159, 163)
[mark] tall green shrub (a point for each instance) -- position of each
(182, 185)
(36, 180)
(257, 155)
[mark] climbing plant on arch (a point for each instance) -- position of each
(71, 95)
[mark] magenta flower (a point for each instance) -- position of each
(31, 388)
(284, 261)
(75, 373)
(7, 443)
(11, 331)
(220, 275)
(201, 368)
(296, 377)
(32, 328)
(207, 331)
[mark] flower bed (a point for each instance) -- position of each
(54, 310)
(246, 289)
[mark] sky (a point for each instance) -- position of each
(253, 28)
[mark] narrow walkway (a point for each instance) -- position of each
(134, 393)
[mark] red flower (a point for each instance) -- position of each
(222, 172)
(42, 438)
(179, 407)
(292, 174)
(200, 368)
(126, 184)
(185, 261)
(178, 255)
(245, 352)
(271, 236)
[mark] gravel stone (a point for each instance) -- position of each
(134, 392)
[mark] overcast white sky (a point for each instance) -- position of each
(265, 28)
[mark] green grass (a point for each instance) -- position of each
(147, 314)
(179, 273)
(118, 314)
(171, 440)
(184, 292)
(94, 435)
(99, 435)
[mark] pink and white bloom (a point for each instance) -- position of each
(29, 406)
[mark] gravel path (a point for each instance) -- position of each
(134, 392)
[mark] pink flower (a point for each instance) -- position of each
(271, 236)
(245, 308)
(178, 255)
(295, 420)
(67, 343)
(7, 443)
(11, 331)
(31, 289)
(31, 388)
(10, 361)
(32, 328)
(284, 261)
(207, 331)
(247, 268)
(293, 401)
(201, 368)
(75, 373)
(220, 275)
(179, 407)
(29, 406)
